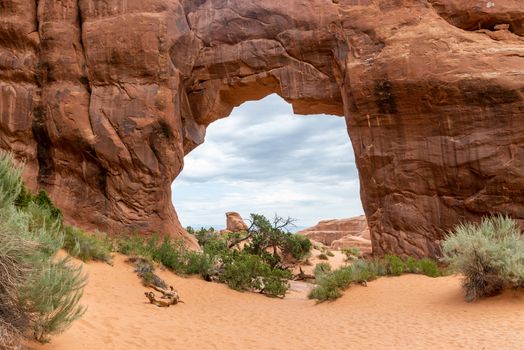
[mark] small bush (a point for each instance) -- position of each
(39, 293)
(137, 245)
(323, 256)
(145, 269)
(352, 253)
(248, 272)
(331, 284)
(297, 245)
(490, 255)
(395, 266)
(321, 269)
(275, 283)
(87, 247)
(330, 253)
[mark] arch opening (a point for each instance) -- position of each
(264, 159)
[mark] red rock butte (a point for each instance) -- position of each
(103, 99)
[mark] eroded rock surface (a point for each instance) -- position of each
(341, 233)
(234, 222)
(102, 100)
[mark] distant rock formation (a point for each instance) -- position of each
(235, 223)
(341, 233)
(103, 99)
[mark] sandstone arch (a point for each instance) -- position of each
(111, 94)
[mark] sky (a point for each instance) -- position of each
(264, 159)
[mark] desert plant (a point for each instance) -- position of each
(321, 269)
(395, 265)
(331, 284)
(299, 246)
(490, 255)
(243, 271)
(352, 253)
(39, 292)
(87, 246)
(322, 256)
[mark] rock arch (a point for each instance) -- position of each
(110, 96)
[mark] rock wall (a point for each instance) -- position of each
(341, 233)
(102, 100)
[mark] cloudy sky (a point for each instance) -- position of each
(264, 159)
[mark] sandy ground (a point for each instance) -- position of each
(408, 312)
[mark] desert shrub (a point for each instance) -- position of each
(145, 269)
(490, 255)
(53, 297)
(395, 266)
(203, 235)
(429, 268)
(330, 284)
(322, 256)
(39, 293)
(137, 245)
(321, 269)
(45, 203)
(275, 283)
(330, 253)
(87, 246)
(248, 272)
(299, 246)
(170, 254)
(364, 271)
(197, 263)
(352, 253)
(242, 272)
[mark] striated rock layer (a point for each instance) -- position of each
(102, 100)
(341, 233)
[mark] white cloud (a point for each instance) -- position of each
(263, 159)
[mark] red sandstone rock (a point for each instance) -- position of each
(341, 233)
(235, 223)
(102, 100)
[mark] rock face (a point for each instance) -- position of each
(341, 233)
(102, 100)
(235, 223)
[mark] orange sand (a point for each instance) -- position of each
(408, 312)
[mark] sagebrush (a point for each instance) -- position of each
(39, 292)
(490, 255)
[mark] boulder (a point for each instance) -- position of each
(235, 223)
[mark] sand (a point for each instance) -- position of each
(407, 312)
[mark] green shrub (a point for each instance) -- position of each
(275, 283)
(429, 268)
(331, 284)
(39, 293)
(322, 256)
(490, 255)
(364, 271)
(321, 269)
(137, 245)
(395, 266)
(330, 253)
(297, 245)
(248, 272)
(44, 202)
(87, 247)
(352, 253)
